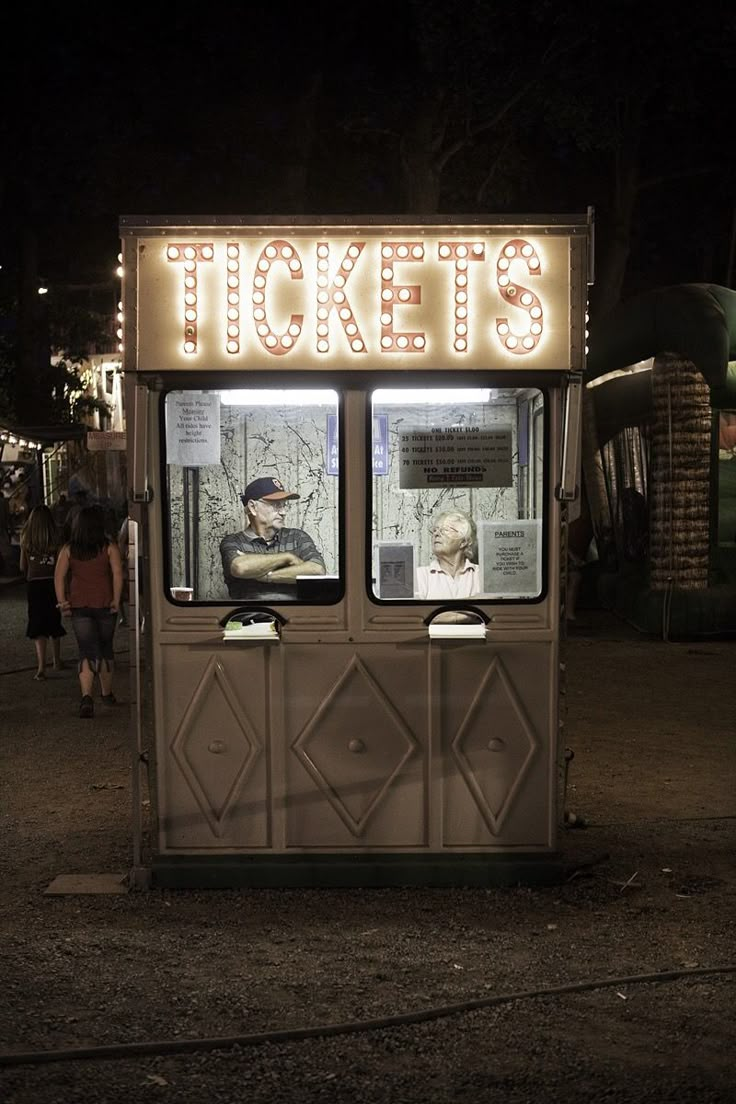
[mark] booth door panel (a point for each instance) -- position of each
(356, 753)
(213, 747)
(498, 733)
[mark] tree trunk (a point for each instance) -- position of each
(29, 399)
(420, 144)
(611, 272)
(295, 171)
(680, 476)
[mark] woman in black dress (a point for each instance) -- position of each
(39, 546)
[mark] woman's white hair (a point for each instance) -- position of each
(468, 530)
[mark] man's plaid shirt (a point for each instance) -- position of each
(283, 540)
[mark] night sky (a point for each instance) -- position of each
(324, 108)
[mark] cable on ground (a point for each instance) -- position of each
(191, 1046)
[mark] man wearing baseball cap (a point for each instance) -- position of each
(262, 562)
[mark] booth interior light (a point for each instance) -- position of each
(279, 398)
(388, 396)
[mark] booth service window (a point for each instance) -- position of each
(457, 502)
(252, 489)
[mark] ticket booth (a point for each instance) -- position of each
(357, 714)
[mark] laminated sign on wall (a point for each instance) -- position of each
(379, 445)
(510, 554)
(193, 428)
(456, 456)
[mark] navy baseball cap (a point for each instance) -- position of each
(270, 489)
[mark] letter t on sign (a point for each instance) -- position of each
(190, 254)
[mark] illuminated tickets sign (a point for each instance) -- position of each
(357, 297)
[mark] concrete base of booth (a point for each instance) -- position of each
(358, 871)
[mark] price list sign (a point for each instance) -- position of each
(457, 456)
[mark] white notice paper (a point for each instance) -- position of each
(457, 456)
(193, 428)
(510, 554)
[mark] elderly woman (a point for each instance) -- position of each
(452, 572)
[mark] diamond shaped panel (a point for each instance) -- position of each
(494, 745)
(354, 746)
(215, 745)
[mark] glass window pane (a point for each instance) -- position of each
(251, 499)
(458, 500)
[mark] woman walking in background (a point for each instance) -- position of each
(89, 584)
(39, 545)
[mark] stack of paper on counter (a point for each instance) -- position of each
(259, 630)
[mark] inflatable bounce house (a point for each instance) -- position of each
(659, 468)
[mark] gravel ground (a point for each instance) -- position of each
(652, 729)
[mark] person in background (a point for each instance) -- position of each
(39, 545)
(80, 497)
(262, 562)
(60, 511)
(452, 573)
(89, 583)
(6, 551)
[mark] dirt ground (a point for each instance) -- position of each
(652, 889)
